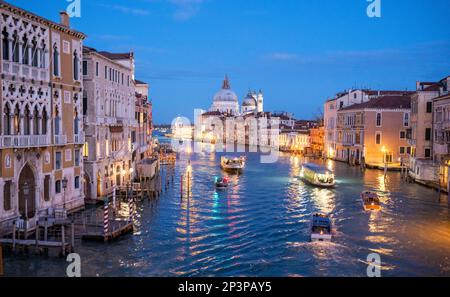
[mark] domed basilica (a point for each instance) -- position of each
(226, 101)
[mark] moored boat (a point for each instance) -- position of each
(321, 227)
(317, 175)
(370, 201)
(232, 164)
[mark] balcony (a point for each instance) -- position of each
(24, 141)
(26, 71)
(60, 140)
(78, 138)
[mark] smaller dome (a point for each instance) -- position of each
(249, 100)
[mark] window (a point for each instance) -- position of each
(85, 103)
(58, 187)
(68, 155)
(47, 188)
(341, 105)
(76, 67)
(85, 68)
(86, 150)
(66, 47)
(5, 44)
(67, 97)
(77, 157)
(408, 150)
(378, 138)
(429, 107)
(58, 160)
(402, 134)
(402, 150)
(96, 69)
(106, 72)
(55, 61)
(427, 153)
(428, 134)
(77, 182)
(406, 119)
(7, 195)
(378, 119)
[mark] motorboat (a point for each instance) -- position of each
(233, 164)
(321, 227)
(317, 175)
(370, 201)
(221, 183)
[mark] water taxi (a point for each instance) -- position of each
(370, 201)
(232, 164)
(221, 183)
(321, 227)
(317, 175)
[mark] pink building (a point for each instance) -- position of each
(374, 132)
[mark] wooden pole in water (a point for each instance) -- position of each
(14, 236)
(46, 229)
(37, 236)
(63, 241)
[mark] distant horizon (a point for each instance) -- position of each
(300, 53)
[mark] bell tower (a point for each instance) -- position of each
(260, 101)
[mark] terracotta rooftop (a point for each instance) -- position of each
(384, 102)
(116, 56)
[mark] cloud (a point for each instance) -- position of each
(281, 57)
(127, 9)
(186, 9)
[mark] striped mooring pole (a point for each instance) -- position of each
(131, 207)
(106, 217)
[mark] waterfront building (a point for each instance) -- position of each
(109, 120)
(317, 141)
(182, 129)
(343, 100)
(373, 132)
(40, 105)
(141, 137)
(295, 141)
(420, 133)
(441, 127)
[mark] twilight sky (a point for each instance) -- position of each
(299, 52)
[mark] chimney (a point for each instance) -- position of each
(417, 85)
(64, 19)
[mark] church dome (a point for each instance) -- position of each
(249, 100)
(226, 94)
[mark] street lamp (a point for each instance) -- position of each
(64, 184)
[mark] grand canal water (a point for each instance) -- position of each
(259, 227)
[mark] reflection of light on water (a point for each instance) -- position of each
(323, 200)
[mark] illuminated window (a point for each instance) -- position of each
(86, 150)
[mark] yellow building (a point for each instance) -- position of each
(41, 137)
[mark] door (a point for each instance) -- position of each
(27, 198)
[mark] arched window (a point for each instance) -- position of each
(27, 120)
(55, 61)
(34, 53)
(42, 55)
(76, 68)
(25, 46)
(16, 121)
(44, 122)
(7, 120)
(5, 44)
(36, 121)
(16, 46)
